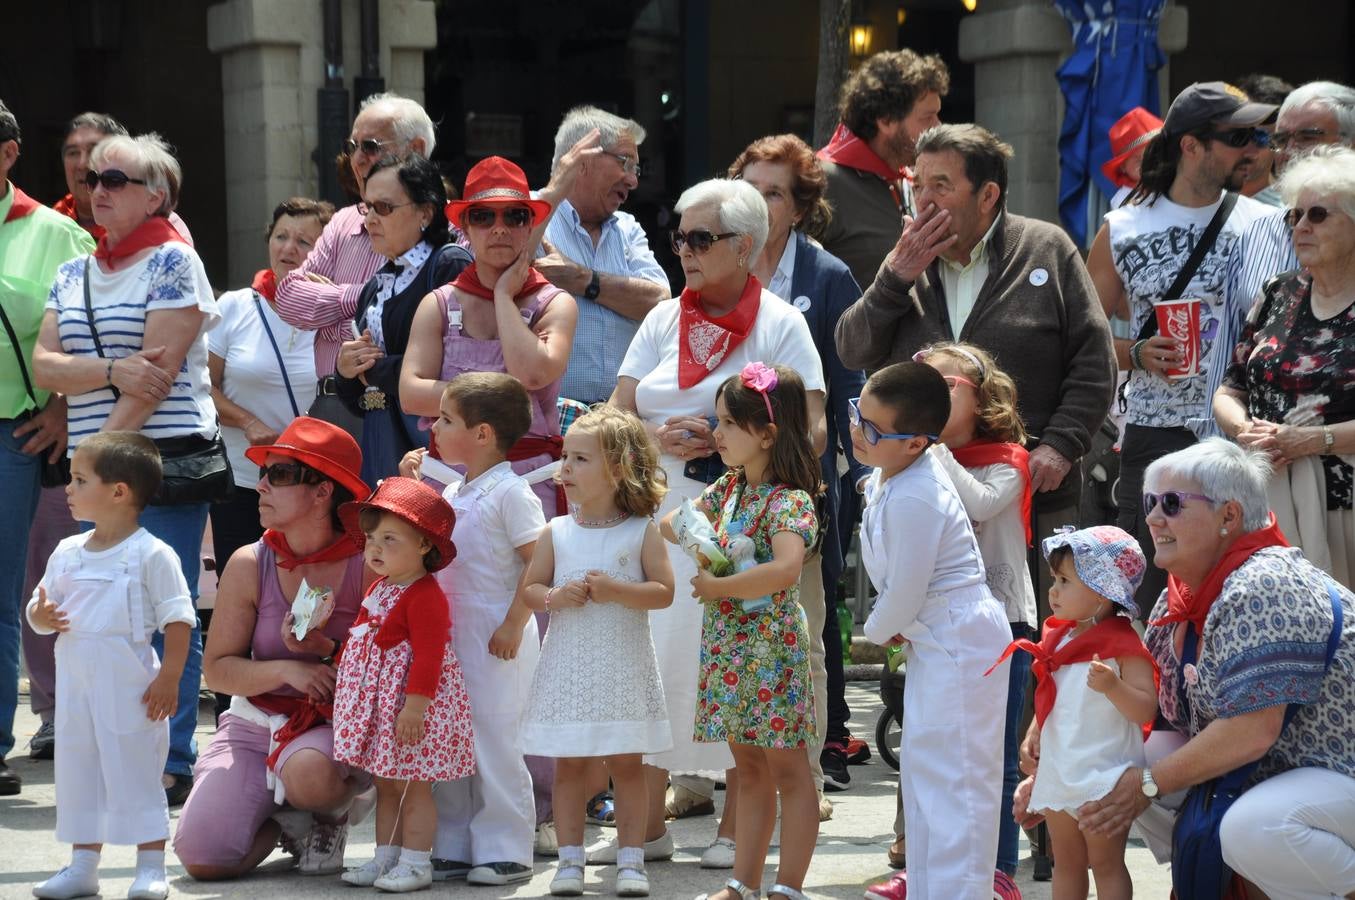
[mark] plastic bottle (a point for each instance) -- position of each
(742, 552)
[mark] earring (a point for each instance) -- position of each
(740, 262)
(1223, 532)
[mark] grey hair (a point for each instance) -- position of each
(1337, 99)
(100, 122)
(739, 207)
(158, 167)
(1327, 170)
(582, 119)
(1224, 471)
(9, 125)
(408, 119)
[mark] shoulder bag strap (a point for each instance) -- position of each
(19, 357)
(282, 367)
(1197, 255)
(94, 332)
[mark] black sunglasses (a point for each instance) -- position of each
(288, 474)
(112, 179)
(1239, 137)
(1316, 215)
(369, 146)
(699, 239)
(382, 208)
(1171, 502)
(486, 216)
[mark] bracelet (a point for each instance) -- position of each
(1328, 440)
(1136, 354)
(108, 372)
(549, 591)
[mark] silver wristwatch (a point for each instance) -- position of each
(1149, 785)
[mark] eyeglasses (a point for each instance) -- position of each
(1304, 137)
(1316, 215)
(628, 165)
(699, 239)
(1171, 502)
(380, 207)
(111, 179)
(952, 380)
(1238, 138)
(289, 474)
(368, 146)
(873, 434)
(486, 216)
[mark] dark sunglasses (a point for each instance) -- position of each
(874, 435)
(369, 146)
(1301, 138)
(111, 179)
(486, 216)
(288, 474)
(1240, 137)
(1316, 215)
(382, 208)
(699, 239)
(1171, 502)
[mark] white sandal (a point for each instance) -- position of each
(789, 893)
(738, 887)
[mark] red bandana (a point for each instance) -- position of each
(302, 714)
(151, 233)
(705, 341)
(1185, 605)
(988, 453)
(266, 283)
(1110, 638)
(342, 548)
(23, 205)
(66, 206)
(846, 149)
(469, 282)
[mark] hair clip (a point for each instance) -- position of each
(760, 377)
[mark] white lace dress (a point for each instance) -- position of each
(597, 690)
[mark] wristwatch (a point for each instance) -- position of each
(1149, 785)
(594, 287)
(1328, 440)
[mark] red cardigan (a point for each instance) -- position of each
(424, 618)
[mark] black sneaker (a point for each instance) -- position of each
(499, 873)
(10, 782)
(833, 760)
(447, 869)
(179, 789)
(43, 744)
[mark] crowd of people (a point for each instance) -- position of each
(452, 446)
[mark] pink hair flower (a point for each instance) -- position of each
(760, 377)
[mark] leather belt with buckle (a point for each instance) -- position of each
(327, 387)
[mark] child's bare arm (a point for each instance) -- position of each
(788, 559)
(162, 695)
(666, 527)
(1132, 692)
(409, 723)
(655, 592)
(536, 581)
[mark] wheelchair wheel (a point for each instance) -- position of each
(888, 733)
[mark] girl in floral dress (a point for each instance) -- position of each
(400, 705)
(753, 684)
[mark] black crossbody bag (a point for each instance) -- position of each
(54, 474)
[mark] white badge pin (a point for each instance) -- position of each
(1039, 276)
(801, 303)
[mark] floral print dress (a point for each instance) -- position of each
(753, 684)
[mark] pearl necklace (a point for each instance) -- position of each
(603, 524)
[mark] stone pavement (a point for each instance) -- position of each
(850, 854)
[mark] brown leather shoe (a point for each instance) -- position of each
(897, 859)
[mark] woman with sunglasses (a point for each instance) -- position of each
(1254, 646)
(684, 350)
(258, 785)
(1291, 388)
(124, 339)
(402, 205)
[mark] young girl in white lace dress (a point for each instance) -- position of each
(598, 572)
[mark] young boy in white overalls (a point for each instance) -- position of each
(105, 593)
(487, 822)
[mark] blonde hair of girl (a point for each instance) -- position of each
(631, 456)
(999, 419)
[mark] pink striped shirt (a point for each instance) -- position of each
(345, 256)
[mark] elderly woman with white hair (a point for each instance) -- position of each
(1290, 390)
(1256, 651)
(684, 349)
(124, 339)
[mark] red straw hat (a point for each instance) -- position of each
(496, 180)
(326, 448)
(416, 503)
(1134, 129)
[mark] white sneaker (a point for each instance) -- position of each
(719, 855)
(366, 874)
(296, 829)
(632, 883)
(568, 881)
(547, 842)
(603, 853)
(150, 884)
(404, 878)
(322, 853)
(65, 885)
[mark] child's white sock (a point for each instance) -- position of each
(419, 859)
(572, 855)
(85, 863)
(150, 859)
(387, 854)
(150, 883)
(630, 858)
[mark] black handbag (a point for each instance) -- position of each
(54, 474)
(1198, 869)
(195, 469)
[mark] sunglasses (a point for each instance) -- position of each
(628, 165)
(111, 179)
(952, 380)
(1239, 137)
(1316, 215)
(1171, 502)
(368, 146)
(289, 474)
(486, 216)
(873, 434)
(381, 207)
(699, 239)
(1304, 137)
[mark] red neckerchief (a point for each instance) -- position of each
(846, 149)
(342, 548)
(705, 341)
(151, 233)
(1110, 638)
(469, 282)
(66, 206)
(302, 714)
(988, 453)
(23, 205)
(266, 283)
(1185, 605)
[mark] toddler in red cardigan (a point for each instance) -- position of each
(400, 705)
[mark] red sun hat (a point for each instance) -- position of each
(1134, 129)
(495, 180)
(326, 448)
(416, 503)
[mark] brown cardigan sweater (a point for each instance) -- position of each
(1052, 337)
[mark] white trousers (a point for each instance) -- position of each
(491, 815)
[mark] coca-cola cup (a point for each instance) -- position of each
(1180, 320)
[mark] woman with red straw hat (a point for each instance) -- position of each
(252, 789)
(1129, 137)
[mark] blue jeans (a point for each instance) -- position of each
(1008, 832)
(19, 474)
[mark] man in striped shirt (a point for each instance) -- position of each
(1320, 112)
